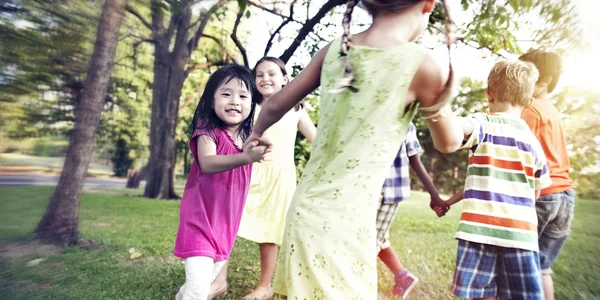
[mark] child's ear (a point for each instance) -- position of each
(490, 96)
(429, 6)
(286, 79)
(545, 82)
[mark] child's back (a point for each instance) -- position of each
(359, 136)
(499, 194)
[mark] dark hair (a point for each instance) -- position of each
(205, 116)
(375, 7)
(548, 64)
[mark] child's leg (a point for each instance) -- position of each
(389, 258)
(268, 260)
(219, 285)
(200, 271)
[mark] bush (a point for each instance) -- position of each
(49, 146)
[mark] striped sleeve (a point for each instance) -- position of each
(478, 132)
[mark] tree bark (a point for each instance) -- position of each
(169, 75)
(59, 225)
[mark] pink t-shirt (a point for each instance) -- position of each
(212, 204)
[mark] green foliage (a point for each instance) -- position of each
(494, 24)
(580, 110)
(43, 60)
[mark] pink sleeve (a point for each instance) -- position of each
(213, 135)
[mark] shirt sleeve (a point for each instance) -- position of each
(211, 134)
(542, 175)
(478, 131)
(412, 142)
(533, 119)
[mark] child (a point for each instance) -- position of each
(329, 249)
(396, 188)
(273, 180)
(218, 182)
(557, 202)
(497, 234)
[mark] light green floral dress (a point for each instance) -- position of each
(329, 249)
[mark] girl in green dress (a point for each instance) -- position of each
(328, 250)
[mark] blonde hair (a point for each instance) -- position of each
(513, 81)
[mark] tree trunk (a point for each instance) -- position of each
(169, 76)
(59, 225)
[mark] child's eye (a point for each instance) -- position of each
(226, 94)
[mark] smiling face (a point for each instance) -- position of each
(232, 103)
(269, 78)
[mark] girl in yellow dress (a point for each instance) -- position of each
(273, 181)
(371, 83)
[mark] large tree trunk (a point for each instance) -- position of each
(59, 224)
(169, 76)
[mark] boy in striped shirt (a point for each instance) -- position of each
(497, 234)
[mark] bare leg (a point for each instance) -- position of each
(389, 258)
(548, 286)
(268, 260)
(219, 285)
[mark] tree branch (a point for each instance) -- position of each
(308, 27)
(285, 22)
(138, 16)
(237, 41)
(287, 18)
(226, 54)
(479, 47)
(204, 65)
(203, 18)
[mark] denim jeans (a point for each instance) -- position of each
(555, 213)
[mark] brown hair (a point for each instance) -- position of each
(281, 65)
(375, 7)
(547, 63)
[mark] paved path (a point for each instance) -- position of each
(52, 180)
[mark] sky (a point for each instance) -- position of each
(580, 67)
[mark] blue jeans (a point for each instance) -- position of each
(555, 213)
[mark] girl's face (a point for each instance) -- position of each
(233, 103)
(269, 78)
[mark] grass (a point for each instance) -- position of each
(117, 223)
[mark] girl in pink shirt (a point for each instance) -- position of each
(217, 186)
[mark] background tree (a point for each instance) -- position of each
(60, 222)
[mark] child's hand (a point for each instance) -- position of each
(438, 205)
(255, 152)
(260, 140)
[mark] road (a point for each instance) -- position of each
(52, 180)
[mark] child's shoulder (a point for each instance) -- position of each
(213, 133)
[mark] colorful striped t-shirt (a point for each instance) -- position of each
(506, 166)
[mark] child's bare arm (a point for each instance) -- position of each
(211, 163)
(306, 126)
(429, 84)
(455, 198)
(279, 104)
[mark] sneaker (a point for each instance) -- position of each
(404, 284)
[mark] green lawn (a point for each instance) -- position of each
(117, 223)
